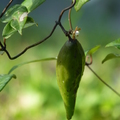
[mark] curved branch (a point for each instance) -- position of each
(4, 10)
(31, 45)
(3, 48)
(66, 10)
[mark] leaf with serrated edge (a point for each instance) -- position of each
(110, 56)
(4, 79)
(115, 44)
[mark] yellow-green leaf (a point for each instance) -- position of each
(110, 56)
(4, 79)
(79, 4)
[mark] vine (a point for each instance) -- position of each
(3, 46)
(67, 33)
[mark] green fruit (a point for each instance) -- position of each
(69, 70)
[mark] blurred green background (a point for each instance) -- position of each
(34, 95)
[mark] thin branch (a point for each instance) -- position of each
(4, 10)
(69, 19)
(12, 58)
(3, 48)
(103, 81)
(66, 10)
(67, 33)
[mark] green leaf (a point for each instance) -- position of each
(79, 4)
(13, 12)
(92, 50)
(110, 56)
(17, 20)
(8, 31)
(13, 26)
(8, 15)
(32, 4)
(30, 22)
(115, 44)
(24, 63)
(4, 79)
(18, 25)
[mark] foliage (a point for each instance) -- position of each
(115, 44)
(4, 79)
(38, 85)
(16, 17)
(92, 50)
(79, 4)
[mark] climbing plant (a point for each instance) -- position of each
(71, 59)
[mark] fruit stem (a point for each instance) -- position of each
(65, 32)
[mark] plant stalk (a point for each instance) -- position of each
(103, 80)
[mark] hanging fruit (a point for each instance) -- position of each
(69, 70)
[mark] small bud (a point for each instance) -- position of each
(76, 33)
